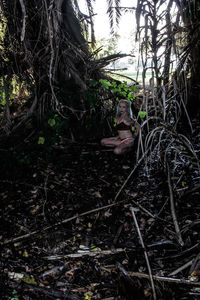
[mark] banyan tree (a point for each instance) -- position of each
(45, 46)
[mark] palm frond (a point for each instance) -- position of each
(117, 11)
(110, 14)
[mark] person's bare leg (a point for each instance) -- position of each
(110, 142)
(123, 148)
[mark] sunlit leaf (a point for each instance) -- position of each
(51, 122)
(89, 225)
(93, 248)
(142, 114)
(87, 297)
(29, 280)
(25, 254)
(41, 140)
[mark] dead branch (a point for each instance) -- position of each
(86, 253)
(146, 211)
(167, 279)
(20, 238)
(177, 229)
(131, 173)
(189, 263)
(145, 253)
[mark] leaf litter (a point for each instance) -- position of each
(64, 235)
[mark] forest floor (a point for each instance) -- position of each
(69, 229)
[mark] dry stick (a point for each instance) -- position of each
(17, 239)
(168, 279)
(142, 208)
(146, 211)
(187, 251)
(85, 253)
(145, 253)
(129, 176)
(194, 264)
(189, 263)
(177, 229)
(46, 197)
(118, 234)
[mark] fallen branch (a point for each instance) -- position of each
(25, 236)
(177, 229)
(167, 279)
(85, 253)
(194, 189)
(145, 253)
(189, 263)
(183, 253)
(146, 211)
(129, 176)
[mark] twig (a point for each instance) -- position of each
(187, 251)
(142, 208)
(145, 253)
(46, 195)
(160, 278)
(146, 211)
(17, 239)
(189, 263)
(194, 264)
(129, 176)
(177, 229)
(88, 253)
(194, 189)
(118, 234)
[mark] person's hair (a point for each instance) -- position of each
(128, 108)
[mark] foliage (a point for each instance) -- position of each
(120, 90)
(142, 114)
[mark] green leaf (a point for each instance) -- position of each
(114, 84)
(29, 280)
(93, 83)
(52, 122)
(133, 128)
(14, 292)
(87, 297)
(130, 96)
(41, 140)
(142, 114)
(183, 183)
(115, 122)
(115, 90)
(105, 83)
